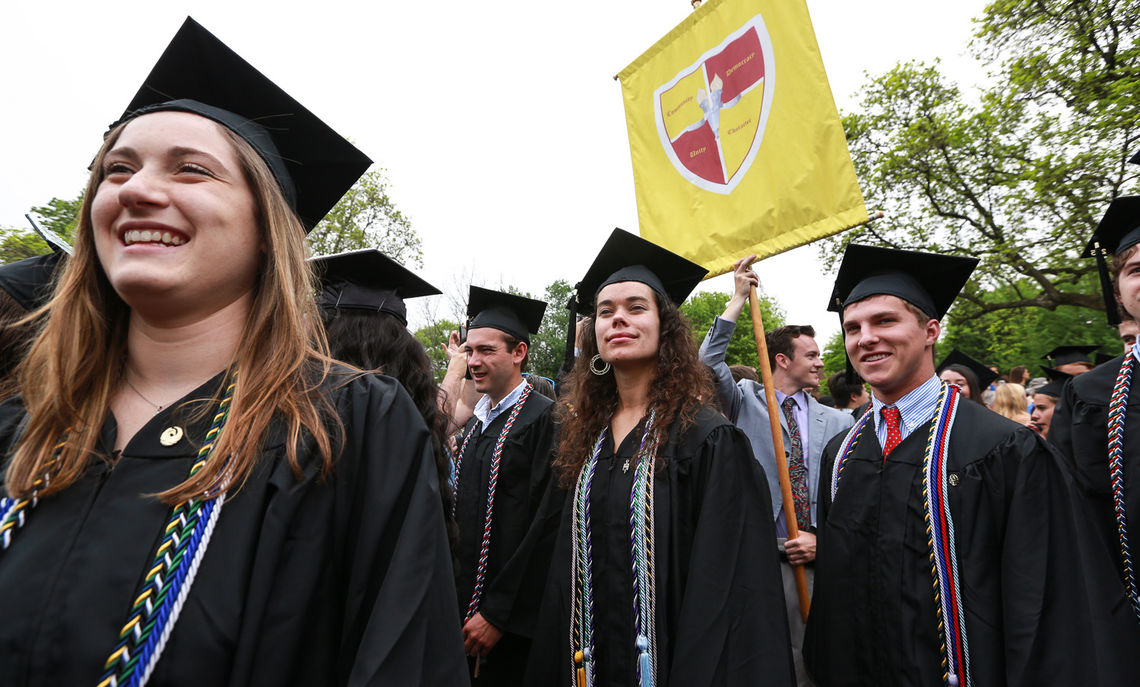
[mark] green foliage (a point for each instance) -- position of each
(367, 218)
(548, 346)
(1007, 339)
(1018, 173)
(58, 215)
(834, 359)
(703, 308)
(434, 337)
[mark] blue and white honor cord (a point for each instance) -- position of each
(641, 550)
(1117, 412)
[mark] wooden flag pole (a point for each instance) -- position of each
(778, 445)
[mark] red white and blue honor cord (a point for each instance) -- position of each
(1117, 412)
(493, 482)
(955, 649)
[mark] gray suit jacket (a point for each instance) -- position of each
(745, 406)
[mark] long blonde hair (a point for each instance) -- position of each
(1010, 401)
(76, 364)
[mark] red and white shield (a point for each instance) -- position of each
(711, 115)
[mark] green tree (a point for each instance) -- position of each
(702, 309)
(834, 359)
(58, 215)
(432, 336)
(366, 217)
(1008, 338)
(1018, 173)
(548, 346)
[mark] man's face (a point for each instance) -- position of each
(492, 364)
(803, 369)
(1128, 285)
(888, 346)
(1128, 331)
(1042, 414)
(1074, 369)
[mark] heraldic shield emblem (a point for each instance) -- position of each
(711, 115)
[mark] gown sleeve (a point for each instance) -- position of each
(732, 626)
(352, 579)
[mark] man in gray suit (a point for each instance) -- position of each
(807, 427)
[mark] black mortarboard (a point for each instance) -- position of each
(1056, 382)
(368, 280)
(1118, 231)
(928, 281)
(198, 73)
(28, 281)
(1135, 159)
(985, 375)
(1102, 358)
(52, 239)
(518, 316)
(1063, 355)
(627, 257)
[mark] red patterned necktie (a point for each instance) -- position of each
(891, 416)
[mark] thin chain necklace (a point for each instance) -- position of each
(135, 389)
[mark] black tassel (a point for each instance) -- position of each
(1111, 310)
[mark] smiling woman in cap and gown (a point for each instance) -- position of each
(663, 571)
(196, 494)
(948, 551)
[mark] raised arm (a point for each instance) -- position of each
(715, 345)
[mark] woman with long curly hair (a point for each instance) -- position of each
(366, 321)
(195, 492)
(663, 571)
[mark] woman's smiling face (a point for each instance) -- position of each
(174, 219)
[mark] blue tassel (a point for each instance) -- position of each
(645, 667)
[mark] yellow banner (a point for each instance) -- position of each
(736, 143)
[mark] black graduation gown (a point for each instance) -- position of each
(873, 619)
(515, 571)
(1079, 430)
(720, 603)
(342, 581)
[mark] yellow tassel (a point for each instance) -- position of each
(581, 672)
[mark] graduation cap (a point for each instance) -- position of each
(1118, 231)
(1063, 355)
(518, 316)
(368, 280)
(1102, 358)
(1135, 159)
(28, 281)
(52, 239)
(628, 257)
(928, 281)
(985, 375)
(1056, 383)
(313, 165)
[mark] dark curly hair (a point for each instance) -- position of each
(680, 388)
(378, 341)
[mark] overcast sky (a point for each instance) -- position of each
(499, 124)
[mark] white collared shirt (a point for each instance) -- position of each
(486, 413)
(916, 408)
